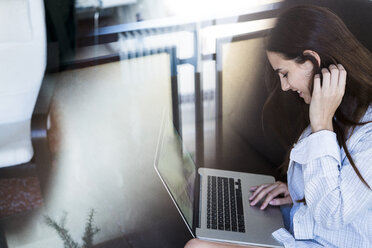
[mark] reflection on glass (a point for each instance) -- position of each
(209, 107)
(145, 41)
(130, 11)
(211, 8)
(186, 82)
(210, 34)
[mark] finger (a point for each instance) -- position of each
(281, 201)
(258, 190)
(263, 193)
(334, 77)
(272, 194)
(253, 188)
(316, 83)
(326, 79)
(342, 78)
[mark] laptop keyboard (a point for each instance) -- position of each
(225, 204)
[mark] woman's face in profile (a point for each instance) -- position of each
(293, 76)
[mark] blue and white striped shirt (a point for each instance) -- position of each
(338, 210)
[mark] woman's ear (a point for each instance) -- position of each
(314, 54)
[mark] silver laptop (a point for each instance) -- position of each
(214, 203)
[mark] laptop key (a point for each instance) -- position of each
(239, 202)
(239, 207)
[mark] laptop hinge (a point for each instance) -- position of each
(197, 203)
(200, 201)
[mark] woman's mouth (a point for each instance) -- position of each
(300, 93)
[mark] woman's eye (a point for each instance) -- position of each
(285, 75)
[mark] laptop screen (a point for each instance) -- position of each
(177, 170)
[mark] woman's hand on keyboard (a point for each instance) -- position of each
(271, 192)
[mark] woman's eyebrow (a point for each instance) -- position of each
(278, 70)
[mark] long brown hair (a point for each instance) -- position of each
(308, 27)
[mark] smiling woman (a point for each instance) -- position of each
(310, 51)
(312, 47)
(293, 76)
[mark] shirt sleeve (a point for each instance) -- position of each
(283, 236)
(334, 193)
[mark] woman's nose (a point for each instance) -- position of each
(285, 85)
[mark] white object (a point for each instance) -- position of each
(102, 3)
(22, 66)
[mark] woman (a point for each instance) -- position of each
(329, 170)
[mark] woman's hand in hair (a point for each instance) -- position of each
(327, 97)
(271, 192)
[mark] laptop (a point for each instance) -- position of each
(214, 203)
